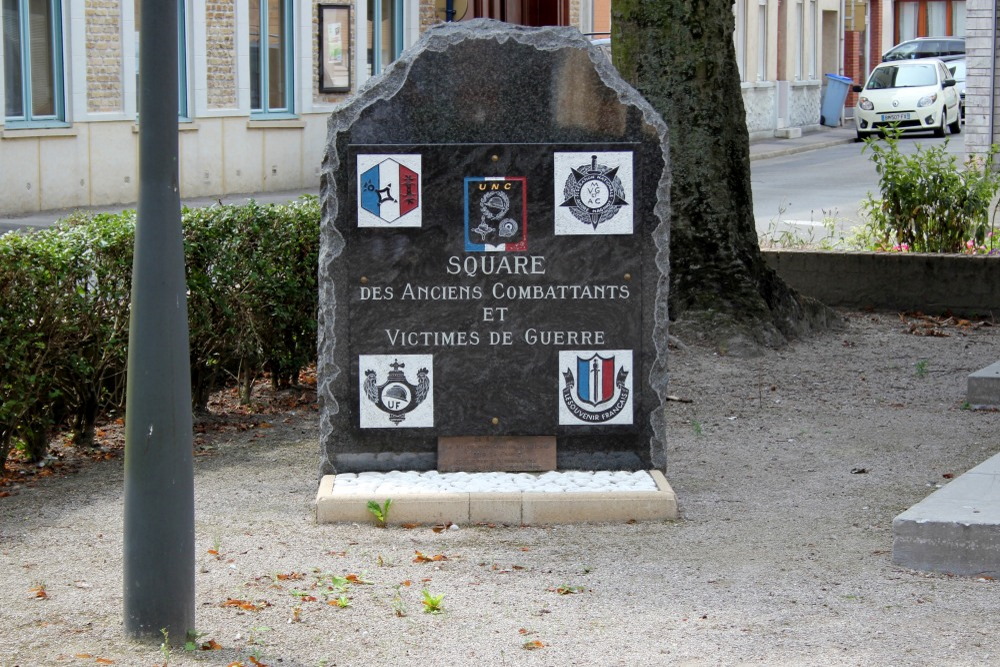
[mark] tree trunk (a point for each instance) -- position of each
(679, 54)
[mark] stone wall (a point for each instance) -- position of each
(980, 51)
(104, 56)
(760, 100)
(220, 48)
(892, 281)
(804, 104)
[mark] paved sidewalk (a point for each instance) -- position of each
(816, 138)
(812, 139)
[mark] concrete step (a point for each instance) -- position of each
(983, 388)
(956, 529)
(342, 505)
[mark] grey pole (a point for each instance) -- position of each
(159, 471)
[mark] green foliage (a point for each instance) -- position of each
(432, 603)
(252, 306)
(927, 203)
(380, 512)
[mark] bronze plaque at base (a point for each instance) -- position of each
(496, 454)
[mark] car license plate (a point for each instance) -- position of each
(896, 116)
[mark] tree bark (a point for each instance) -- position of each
(679, 54)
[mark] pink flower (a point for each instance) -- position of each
(970, 244)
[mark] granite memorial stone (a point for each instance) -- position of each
(493, 267)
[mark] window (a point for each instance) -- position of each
(800, 53)
(385, 33)
(271, 56)
(32, 56)
(907, 21)
(762, 40)
(813, 39)
(937, 17)
(958, 19)
(182, 102)
(929, 18)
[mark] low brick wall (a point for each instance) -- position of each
(931, 283)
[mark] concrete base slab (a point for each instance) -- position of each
(515, 508)
(983, 390)
(788, 132)
(956, 529)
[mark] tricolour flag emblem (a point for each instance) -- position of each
(596, 387)
(389, 191)
(596, 379)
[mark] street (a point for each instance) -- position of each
(793, 195)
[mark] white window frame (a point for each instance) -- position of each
(813, 26)
(410, 32)
(800, 50)
(26, 119)
(762, 40)
(264, 110)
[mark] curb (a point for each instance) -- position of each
(801, 148)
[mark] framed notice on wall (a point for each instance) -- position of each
(334, 48)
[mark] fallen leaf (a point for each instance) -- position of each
(245, 605)
(406, 583)
(859, 471)
(532, 645)
(291, 575)
(83, 656)
(410, 526)
(421, 558)
(104, 661)
(336, 553)
(948, 475)
(211, 645)
(355, 579)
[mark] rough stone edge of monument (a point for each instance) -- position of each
(386, 85)
(942, 534)
(512, 508)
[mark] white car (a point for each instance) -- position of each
(913, 95)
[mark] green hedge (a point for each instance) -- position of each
(64, 294)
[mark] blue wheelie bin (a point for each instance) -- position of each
(834, 97)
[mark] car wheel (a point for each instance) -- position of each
(939, 131)
(861, 135)
(956, 127)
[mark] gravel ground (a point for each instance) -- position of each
(789, 468)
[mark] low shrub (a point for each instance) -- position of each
(252, 301)
(928, 203)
